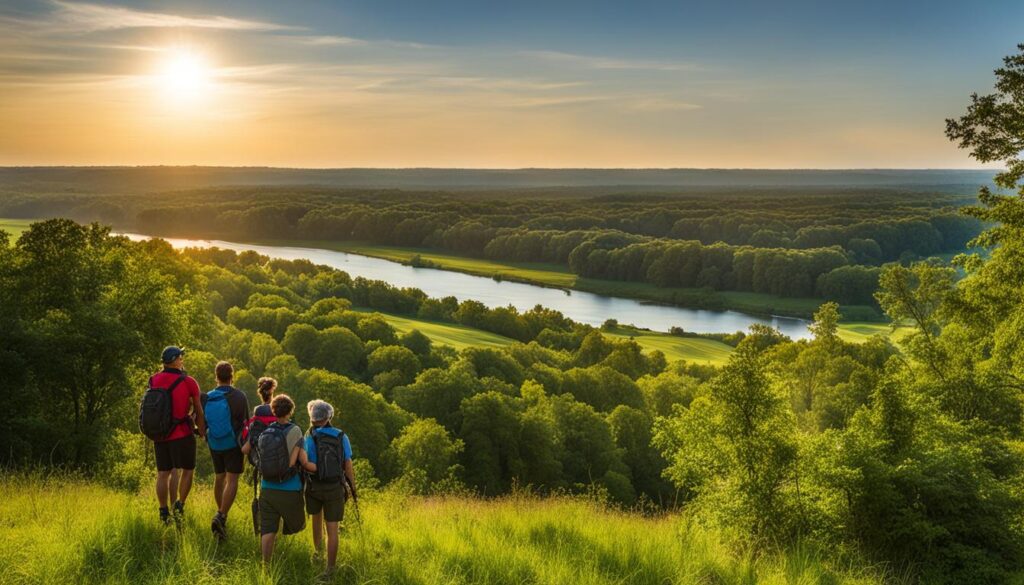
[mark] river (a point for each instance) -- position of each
(579, 306)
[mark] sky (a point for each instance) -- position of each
(477, 84)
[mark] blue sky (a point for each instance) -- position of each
(482, 84)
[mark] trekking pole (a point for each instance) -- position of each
(359, 520)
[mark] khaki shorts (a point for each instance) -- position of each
(278, 505)
(330, 501)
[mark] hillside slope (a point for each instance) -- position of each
(66, 531)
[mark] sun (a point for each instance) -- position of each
(184, 74)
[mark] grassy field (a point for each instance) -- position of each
(453, 334)
(15, 226)
(855, 332)
(72, 531)
(705, 351)
(691, 349)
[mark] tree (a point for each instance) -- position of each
(84, 315)
(825, 326)
(734, 449)
(991, 128)
(425, 455)
(390, 366)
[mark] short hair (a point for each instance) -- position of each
(225, 372)
(266, 386)
(282, 405)
(319, 411)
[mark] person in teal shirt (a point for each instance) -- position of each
(281, 501)
(325, 498)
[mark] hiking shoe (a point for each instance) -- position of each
(178, 514)
(219, 526)
(165, 516)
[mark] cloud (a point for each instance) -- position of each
(593, 62)
(95, 17)
(328, 40)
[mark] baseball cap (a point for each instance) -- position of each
(171, 353)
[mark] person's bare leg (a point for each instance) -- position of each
(332, 544)
(172, 484)
(186, 484)
(267, 546)
(318, 529)
(230, 488)
(218, 489)
(162, 479)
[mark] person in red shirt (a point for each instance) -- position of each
(176, 454)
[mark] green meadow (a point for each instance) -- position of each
(696, 350)
(692, 349)
(74, 531)
(15, 227)
(451, 334)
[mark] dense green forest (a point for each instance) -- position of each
(801, 244)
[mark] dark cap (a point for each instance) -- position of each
(171, 353)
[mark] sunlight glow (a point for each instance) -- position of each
(184, 75)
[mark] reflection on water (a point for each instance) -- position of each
(579, 306)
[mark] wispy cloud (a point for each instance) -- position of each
(95, 17)
(595, 62)
(328, 40)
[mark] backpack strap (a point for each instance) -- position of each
(170, 391)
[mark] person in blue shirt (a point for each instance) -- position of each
(226, 409)
(281, 501)
(329, 449)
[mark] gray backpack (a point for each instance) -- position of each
(273, 454)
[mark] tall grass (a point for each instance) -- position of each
(66, 530)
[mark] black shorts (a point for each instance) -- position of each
(230, 461)
(176, 454)
(329, 500)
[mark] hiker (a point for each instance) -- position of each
(328, 448)
(262, 415)
(225, 409)
(164, 417)
(265, 386)
(281, 453)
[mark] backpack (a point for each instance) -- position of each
(274, 457)
(330, 456)
(220, 432)
(253, 428)
(156, 414)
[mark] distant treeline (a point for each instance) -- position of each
(795, 245)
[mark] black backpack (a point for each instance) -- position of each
(156, 414)
(254, 429)
(330, 457)
(273, 456)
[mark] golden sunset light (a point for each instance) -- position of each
(542, 292)
(184, 75)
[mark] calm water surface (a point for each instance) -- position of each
(579, 306)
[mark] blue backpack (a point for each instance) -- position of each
(220, 433)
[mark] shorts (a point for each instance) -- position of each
(331, 501)
(176, 454)
(278, 505)
(231, 461)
